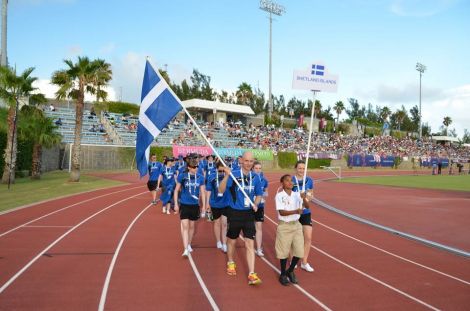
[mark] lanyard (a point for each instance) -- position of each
(217, 180)
(210, 165)
(189, 186)
(167, 171)
(298, 185)
(243, 181)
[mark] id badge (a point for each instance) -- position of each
(247, 202)
(194, 197)
(168, 177)
(220, 194)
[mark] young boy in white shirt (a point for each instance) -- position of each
(289, 235)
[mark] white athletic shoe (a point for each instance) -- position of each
(190, 249)
(219, 245)
(168, 212)
(185, 253)
(307, 267)
(224, 248)
(259, 252)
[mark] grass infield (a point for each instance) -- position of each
(51, 185)
(438, 182)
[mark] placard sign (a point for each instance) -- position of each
(316, 78)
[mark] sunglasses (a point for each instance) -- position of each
(192, 166)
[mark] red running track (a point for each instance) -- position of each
(150, 274)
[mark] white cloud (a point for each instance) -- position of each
(45, 87)
(420, 8)
(407, 94)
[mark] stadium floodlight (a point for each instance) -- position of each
(421, 68)
(277, 9)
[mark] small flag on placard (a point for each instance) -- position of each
(159, 105)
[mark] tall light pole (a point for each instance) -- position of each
(3, 56)
(421, 68)
(277, 9)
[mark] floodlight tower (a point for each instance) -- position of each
(3, 56)
(277, 9)
(421, 68)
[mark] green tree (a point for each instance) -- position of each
(244, 94)
(13, 87)
(201, 86)
(385, 113)
(73, 82)
(399, 117)
(103, 75)
(447, 121)
(41, 130)
(414, 112)
(338, 108)
(466, 137)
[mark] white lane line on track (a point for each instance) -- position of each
(104, 291)
(47, 226)
(392, 254)
(369, 276)
(18, 274)
(203, 285)
(64, 208)
(301, 289)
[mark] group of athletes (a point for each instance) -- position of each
(196, 186)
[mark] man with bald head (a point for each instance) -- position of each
(241, 215)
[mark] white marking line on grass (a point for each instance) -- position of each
(303, 291)
(12, 279)
(369, 276)
(393, 254)
(104, 292)
(203, 285)
(64, 208)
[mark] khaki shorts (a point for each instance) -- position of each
(289, 237)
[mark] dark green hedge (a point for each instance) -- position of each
(161, 151)
(121, 107)
(288, 160)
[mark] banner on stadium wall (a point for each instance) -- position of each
(428, 162)
(184, 150)
(370, 160)
(320, 155)
(264, 155)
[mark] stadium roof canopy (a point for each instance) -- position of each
(445, 138)
(218, 106)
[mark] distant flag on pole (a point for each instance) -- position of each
(159, 105)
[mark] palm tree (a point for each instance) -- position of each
(447, 121)
(103, 75)
(244, 94)
(400, 116)
(79, 78)
(317, 109)
(385, 113)
(13, 87)
(338, 107)
(41, 130)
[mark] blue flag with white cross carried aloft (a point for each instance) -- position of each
(159, 105)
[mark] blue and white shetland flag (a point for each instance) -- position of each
(158, 107)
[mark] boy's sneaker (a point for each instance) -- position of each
(259, 252)
(224, 248)
(283, 279)
(231, 268)
(219, 245)
(253, 279)
(291, 277)
(185, 253)
(307, 267)
(190, 249)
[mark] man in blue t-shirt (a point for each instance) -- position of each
(242, 213)
(155, 169)
(192, 189)
(218, 203)
(305, 217)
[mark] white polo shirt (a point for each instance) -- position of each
(288, 203)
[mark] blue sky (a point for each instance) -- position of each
(372, 45)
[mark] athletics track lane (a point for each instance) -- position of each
(71, 273)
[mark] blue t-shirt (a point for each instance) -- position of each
(299, 184)
(154, 170)
(190, 188)
(210, 168)
(212, 185)
(179, 164)
(168, 176)
(252, 186)
(264, 187)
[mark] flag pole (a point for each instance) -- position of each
(202, 134)
(309, 141)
